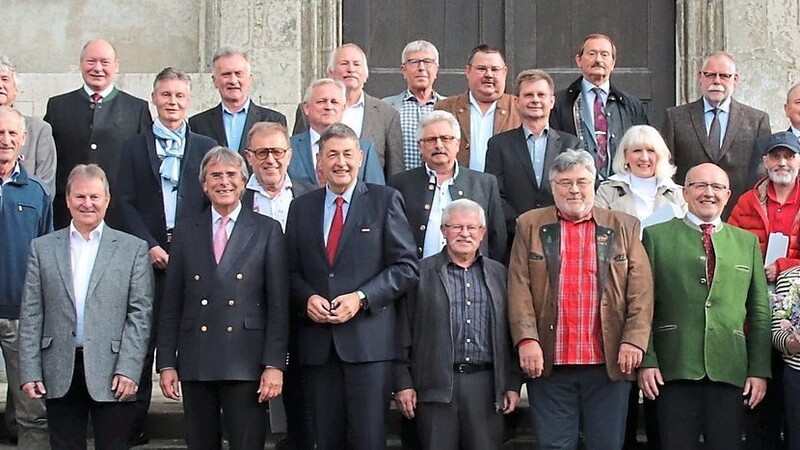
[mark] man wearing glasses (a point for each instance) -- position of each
(717, 128)
(711, 324)
(580, 306)
(485, 109)
(420, 65)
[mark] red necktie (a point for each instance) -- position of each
(601, 132)
(96, 97)
(711, 260)
(336, 231)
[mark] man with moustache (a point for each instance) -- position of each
(711, 326)
(485, 109)
(592, 108)
(38, 154)
(157, 188)
(371, 119)
(716, 128)
(229, 122)
(224, 324)
(351, 259)
(323, 105)
(420, 65)
(25, 214)
(521, 158)
(91, 123)
(580, 295)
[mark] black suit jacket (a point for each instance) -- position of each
(87, 133)
(479, 187)
(375, 255)
(209, 123)
(298, 188)
(140, 199)
(507, 158)
(226, 321)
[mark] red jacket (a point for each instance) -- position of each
(750, 213)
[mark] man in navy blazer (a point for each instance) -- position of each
(157, 187)
(324, 105)
(351, 257)
(223, 325)
(229, 122)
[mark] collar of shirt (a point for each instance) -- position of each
(432, 177)
(794, 130)
(627, 179)
(792, 198)
(474, 104)
(313, 137)
(478, 258)
(408, 96)
(215, 216)
(587, 87)
(330, 196)
(696, 221)
(244, 109)
(13, 176)
(529, 132)
(725, 106)
(95, 234)
(104, 93)
(588, 216)
(254, 185)
(360, 102)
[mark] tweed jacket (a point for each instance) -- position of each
(624, 281)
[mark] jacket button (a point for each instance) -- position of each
(708, 304)
(93, 146)
(196, 277)
(231, 302)
(239, 276)
(460, 192)
(422, 228)
(551, 327)
(702, 281)
(427, 206)
(204, 328)
(229, 329)
(431, 187)
(204, 302)
(330, 275)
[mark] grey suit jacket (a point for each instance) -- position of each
(39, 152)
(684, 131)
(381, 126)
(117, 314)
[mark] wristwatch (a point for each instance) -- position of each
(363, 297)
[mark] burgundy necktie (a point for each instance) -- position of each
(600, 132)
(336, 231)
(711, 260)
(96, 97)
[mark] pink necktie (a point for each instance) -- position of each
(221, 238)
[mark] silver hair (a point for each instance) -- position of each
(225, 155)
(419, 46)
(338, 130)
(87, 171)
(9, 110)
(225, 52)
(463, 205)
(172, 73)
(717, 54)
(7, 66)
(438, 116)
(320, 82)
(569, 159)
(332, 57)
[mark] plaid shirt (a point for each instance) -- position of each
(410, 115)
(578, 334)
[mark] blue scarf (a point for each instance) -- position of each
(170, 149)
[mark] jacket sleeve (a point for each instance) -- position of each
(276, 276)
(639, 292)
(139, 317)
(521, 313)
(395, 159)
(31, 321)
(650, 358)
(758, 318)
(498, 233)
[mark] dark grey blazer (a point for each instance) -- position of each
(479, 187)
(424, 334)
(117, 316)
(209, 123)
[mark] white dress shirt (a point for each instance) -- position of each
(354, 115)
(481, 129)
(276, 207)
(216, 220)
(83, 254)
(434, 239)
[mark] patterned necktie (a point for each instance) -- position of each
(711, 260)
(96, 97)
(601, 132)
(714, 134)
(336, 231)
(221, 238)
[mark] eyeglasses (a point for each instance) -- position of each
(722, 76)
(483, 70)
(428, 62)
(432, 139)
(471, 229)
(702, 186)
(581, 183)
(263, 153)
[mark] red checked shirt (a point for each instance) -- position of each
(578, 333)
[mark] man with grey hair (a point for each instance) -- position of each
(90, 124)
(580, 305)
(228, 279)
(428, 189)
(420, 65)
(38, 154)
(718, 129)
(368, 116)
(18, 228)
(323, 105)
(229, 122)
(457, 372)
(157, 188)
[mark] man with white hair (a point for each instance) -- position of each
(420, 65)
